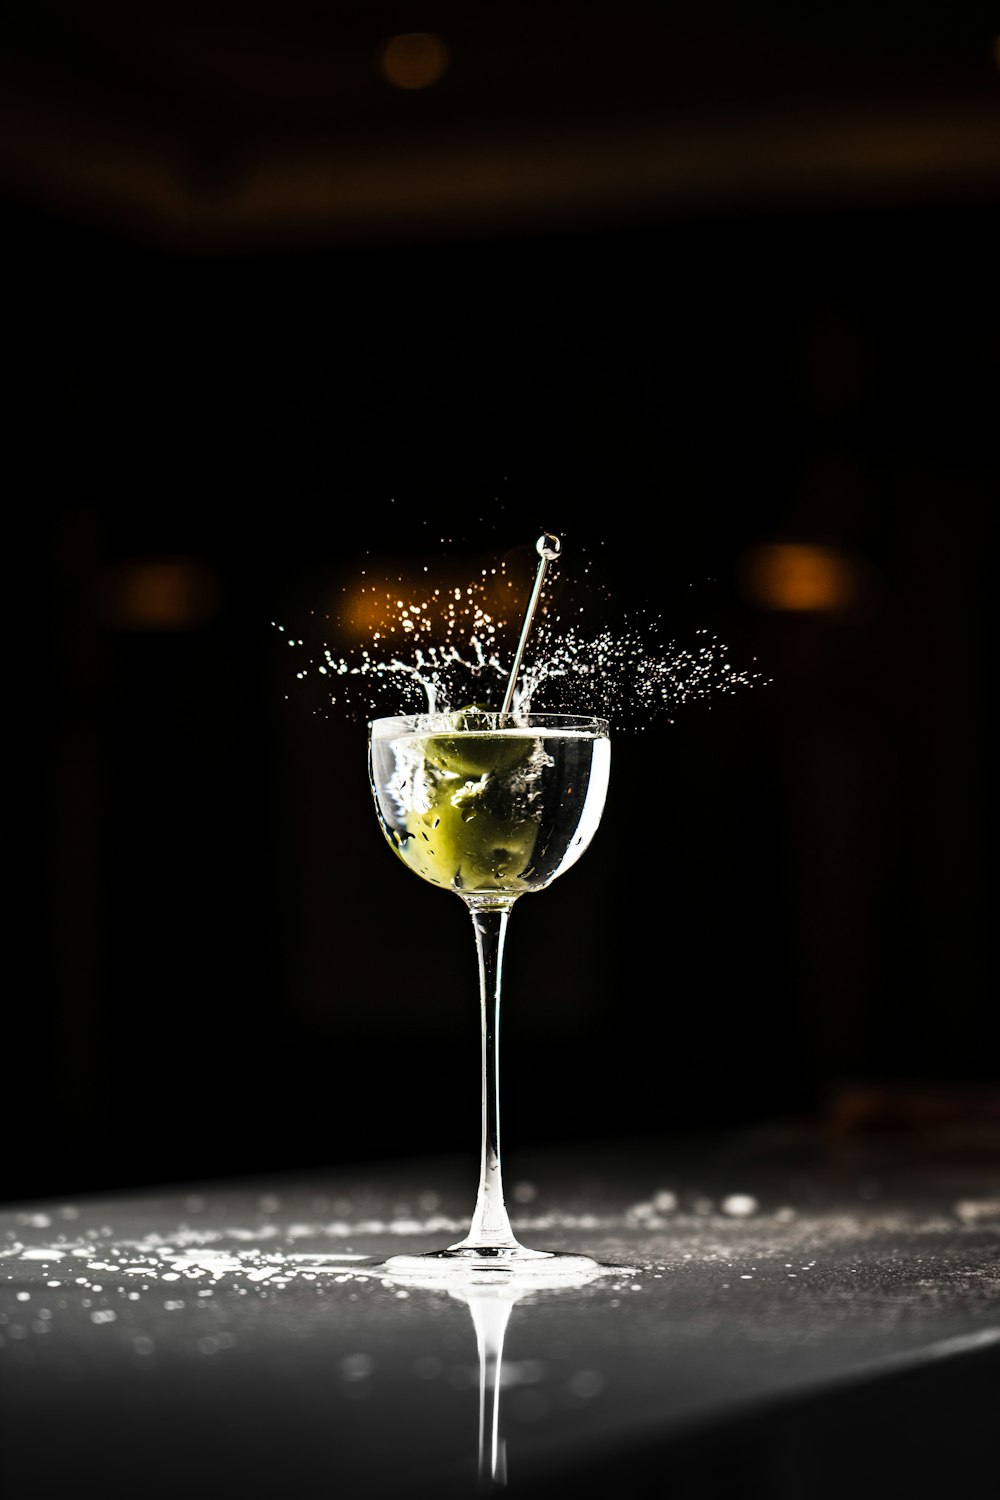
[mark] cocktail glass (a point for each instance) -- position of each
(491, 806)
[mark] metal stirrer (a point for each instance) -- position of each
(548, 548)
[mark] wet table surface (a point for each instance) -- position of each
(773, 1317)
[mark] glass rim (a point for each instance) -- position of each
(442, 722)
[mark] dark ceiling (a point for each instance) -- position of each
(217, 124)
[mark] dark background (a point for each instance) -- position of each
(680, 293)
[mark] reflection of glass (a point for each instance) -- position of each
(492, 807)
(490, 1300)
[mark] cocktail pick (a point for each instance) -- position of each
(548, 548)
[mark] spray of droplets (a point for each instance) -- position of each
(445, 648)
(631, 673)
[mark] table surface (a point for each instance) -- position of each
(772, 1312)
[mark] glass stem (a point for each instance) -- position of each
(490, 1228)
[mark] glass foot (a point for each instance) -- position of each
(494, 1265)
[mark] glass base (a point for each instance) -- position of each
(494, 1265)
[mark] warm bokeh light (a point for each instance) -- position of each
(397, 600)
(415, 60)
(370, 609)
(159, 594)
(800, 576)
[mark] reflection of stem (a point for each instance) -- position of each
(490, 1298)
(490, 1316)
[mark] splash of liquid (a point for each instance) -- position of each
(439, 649)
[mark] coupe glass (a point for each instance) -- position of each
(492, 807)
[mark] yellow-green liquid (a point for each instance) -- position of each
(504, 811)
